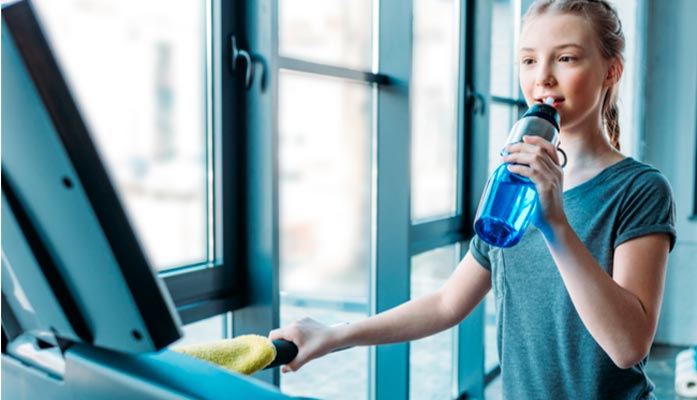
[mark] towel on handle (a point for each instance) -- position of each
(245, 354)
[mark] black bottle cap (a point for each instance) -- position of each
(545, 111)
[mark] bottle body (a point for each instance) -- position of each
(509, 200)
(506, 208)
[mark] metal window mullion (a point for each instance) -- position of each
(258, 30)
(431, 235)
(201, 291)
(196, 285)
(389, 364)
(509, 101)
(293, 64)
(475, 58)
(693, 217)
(212, 125)
(464, 172)
(639, 80)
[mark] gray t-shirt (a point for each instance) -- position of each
(544, 349)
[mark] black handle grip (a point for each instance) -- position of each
(285, 353)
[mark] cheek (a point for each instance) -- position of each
(583, 85)
(527, 86)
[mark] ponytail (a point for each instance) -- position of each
(611, 114)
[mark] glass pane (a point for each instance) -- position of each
(434, 105)
(339, 375)
(325, 219)
(627, 10)
(501, 119)
(431, 359)
(503, 61)
(205, 330)
(491, 356)
(139, 77)
(334, 32)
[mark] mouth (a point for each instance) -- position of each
(555, 104)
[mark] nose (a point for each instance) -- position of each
(545, 75)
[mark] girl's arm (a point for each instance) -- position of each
(619, 311)
(412, 320)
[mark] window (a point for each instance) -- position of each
(335, 185)
(149, 118)
(437, 141)
(434, 114)
(506, 106)
(142, 78)
(325, 213)
(364, 185)
(325, 114)
(205, 330)
(431, 359)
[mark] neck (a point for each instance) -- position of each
(587, 148)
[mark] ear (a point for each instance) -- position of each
(614, 72)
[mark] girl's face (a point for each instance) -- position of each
(559, 58)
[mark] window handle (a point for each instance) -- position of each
(475, 100)
(236, 54)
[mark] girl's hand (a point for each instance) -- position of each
(312, 338)
(541, 164)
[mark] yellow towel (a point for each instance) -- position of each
(245, 354)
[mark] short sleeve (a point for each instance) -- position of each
(480, 252)
(647, 208)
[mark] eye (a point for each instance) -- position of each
(567, 58)
(527, 61)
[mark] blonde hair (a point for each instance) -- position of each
(606, 23)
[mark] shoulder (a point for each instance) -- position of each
(640, 178)
(646, 204)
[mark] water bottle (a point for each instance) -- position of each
(509, 200)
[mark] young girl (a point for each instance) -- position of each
(578, 298)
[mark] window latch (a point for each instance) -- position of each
(235, 54)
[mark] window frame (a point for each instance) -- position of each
(472, 160)
(693, 217)
(205, 290)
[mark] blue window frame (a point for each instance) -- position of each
(694, 201)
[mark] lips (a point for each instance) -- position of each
(557, 100)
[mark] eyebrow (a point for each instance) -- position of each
(561, 46)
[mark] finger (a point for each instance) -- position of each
(544, 144)
(276, 334)
(539, 153)
(294, 365)
(531, 166)
(537, 140)
(522, 170)
(538, 159)
(522, 147)
(519, 158)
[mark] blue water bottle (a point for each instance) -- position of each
(509, 200)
